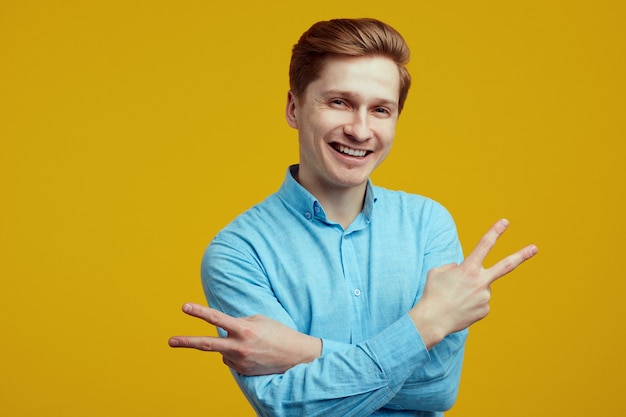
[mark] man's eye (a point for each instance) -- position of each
(382, 110)
(337, 102)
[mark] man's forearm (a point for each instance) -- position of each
(353, 382)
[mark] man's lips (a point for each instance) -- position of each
(345, 150)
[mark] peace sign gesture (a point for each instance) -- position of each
(456, 296)
(255, 345)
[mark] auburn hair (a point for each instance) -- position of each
(347, 37)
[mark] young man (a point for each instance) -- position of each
(334, 297)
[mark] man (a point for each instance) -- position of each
(334, 297)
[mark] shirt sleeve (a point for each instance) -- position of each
(354, 381)
(434, 386)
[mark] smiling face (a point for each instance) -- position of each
(346, 122)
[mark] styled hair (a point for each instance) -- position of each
(347, 37)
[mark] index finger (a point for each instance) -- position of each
(486, 243)
(212, 316)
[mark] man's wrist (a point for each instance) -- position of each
(429, 327)
(310, 349)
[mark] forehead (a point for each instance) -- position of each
(375, 77)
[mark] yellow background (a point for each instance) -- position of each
(132, 131)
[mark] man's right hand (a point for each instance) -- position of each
(255, 345)
(456, 296)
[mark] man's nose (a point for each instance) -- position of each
(358, 126)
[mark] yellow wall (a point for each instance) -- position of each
(132, 131)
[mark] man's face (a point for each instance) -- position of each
(346, 122)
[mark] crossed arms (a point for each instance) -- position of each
(266, 353)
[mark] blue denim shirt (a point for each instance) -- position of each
(352, 288)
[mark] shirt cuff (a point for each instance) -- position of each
(330, 346)
(399, 350)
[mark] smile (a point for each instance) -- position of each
(359, 153)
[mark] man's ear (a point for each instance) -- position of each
(290, 111)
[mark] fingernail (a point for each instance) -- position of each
(187, 308)
(173, 342)
(533, 250)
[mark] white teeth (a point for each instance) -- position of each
(351, 152)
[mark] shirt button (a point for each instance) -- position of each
(357, 292)
(317, 208)
(307, 215)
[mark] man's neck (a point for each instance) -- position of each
(341, 204)
(343, 207)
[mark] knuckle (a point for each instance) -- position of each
(213, 317)
(248, 333)
(243, 351)
(484, 298)
(205, 345)
(487, 242)
(508, 265)
(528, 253)
(499, 228)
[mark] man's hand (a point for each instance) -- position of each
(456, 296)
(255, 345)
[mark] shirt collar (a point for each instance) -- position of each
(307, 205)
